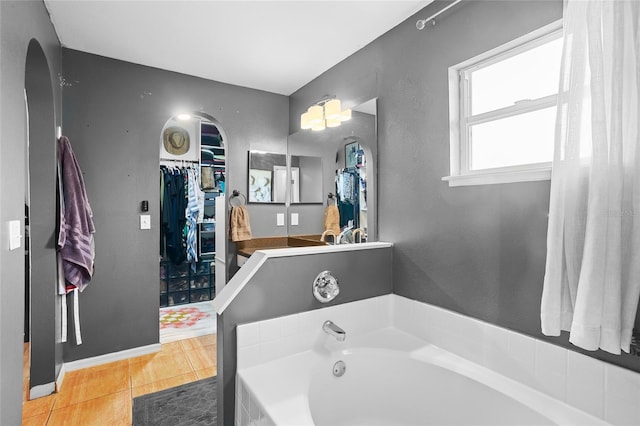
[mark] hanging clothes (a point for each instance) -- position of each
(347, 187)
(191, 215)
(173, 214)
(347, 214)
(200, 195)
(349, 190)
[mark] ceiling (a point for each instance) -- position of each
(276, 46)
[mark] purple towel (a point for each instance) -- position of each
(75, 240)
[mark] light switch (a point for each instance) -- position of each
(145, 221)
(15, 238)
(280, 219)
(294, 218)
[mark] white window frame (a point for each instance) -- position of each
(461, 120)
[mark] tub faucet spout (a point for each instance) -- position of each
(333, 330)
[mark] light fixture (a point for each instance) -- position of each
(184, 116)
(325, 113)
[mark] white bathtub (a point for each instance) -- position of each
(391, 378)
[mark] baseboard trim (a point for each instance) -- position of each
(112, 357)
(60, 379)
(39, 391)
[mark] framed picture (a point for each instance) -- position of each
(350, 154)
(260, 186)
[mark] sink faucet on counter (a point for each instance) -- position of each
(348, 236)
(327, 233)
(333, 330)
(344, 236)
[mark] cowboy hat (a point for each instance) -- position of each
(176, 140)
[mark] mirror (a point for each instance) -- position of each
(306, 179)
(334, 146)
(267, 177)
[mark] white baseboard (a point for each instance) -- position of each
(60, 379)
(39, 391)
(112, 357)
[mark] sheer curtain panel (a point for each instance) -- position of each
(592, 277)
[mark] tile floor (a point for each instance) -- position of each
(103, 395)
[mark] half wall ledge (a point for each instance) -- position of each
(249, 269)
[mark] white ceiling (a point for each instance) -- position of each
(277, 46)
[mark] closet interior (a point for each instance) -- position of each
(351, 188)
(192, 178)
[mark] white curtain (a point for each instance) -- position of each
(592, 277)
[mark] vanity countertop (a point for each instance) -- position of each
(248, 247)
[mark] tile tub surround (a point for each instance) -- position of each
(597, 388)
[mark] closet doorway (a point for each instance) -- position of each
(193, 224)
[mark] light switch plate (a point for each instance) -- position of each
(145, 221)
(294, 219)
(15, 237)
(280, 219)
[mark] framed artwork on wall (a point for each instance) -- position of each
(260, 186)
(351, 154)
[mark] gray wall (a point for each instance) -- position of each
(272, 293)
(20, 22)
(476, 250)
(114, 112)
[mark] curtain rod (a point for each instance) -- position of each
(421, 23)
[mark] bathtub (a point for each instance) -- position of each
(400, 370)
(391, 378)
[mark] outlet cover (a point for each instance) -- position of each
(280, 219)
(294, 219)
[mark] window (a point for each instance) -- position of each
(503, 111)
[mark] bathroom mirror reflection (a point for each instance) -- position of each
(306, 179)
(335, 146)
(267, 177)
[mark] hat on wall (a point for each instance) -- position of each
(176, 140)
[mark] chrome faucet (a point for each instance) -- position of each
(333, 330)
(344, 236)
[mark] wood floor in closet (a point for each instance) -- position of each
(103, 395)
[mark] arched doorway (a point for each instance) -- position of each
(192, 263)
(40, 202)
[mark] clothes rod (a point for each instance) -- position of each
(422, 22)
